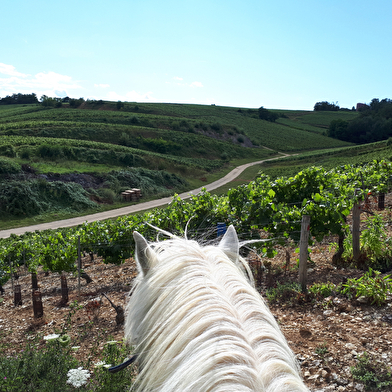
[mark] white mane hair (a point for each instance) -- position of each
(199, 325)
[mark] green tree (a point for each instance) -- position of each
(325, 106)
(265, 114)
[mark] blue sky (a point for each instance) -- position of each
(283, 54)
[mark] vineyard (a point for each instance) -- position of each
(93, 151)
(271, 209)
(327, 326)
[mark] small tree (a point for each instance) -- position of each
(265, 114)
(325, 106)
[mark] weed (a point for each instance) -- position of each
(370, 285)
(287, 292)
(376, 246)
(375, 375)
(321, 350)
(53, 367)
(323, 290)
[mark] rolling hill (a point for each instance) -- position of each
(100, 149)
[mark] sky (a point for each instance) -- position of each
(280, 54)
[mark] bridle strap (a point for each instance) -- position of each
(121, 366)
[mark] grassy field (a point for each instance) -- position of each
(195, 143)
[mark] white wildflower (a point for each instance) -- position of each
(78, 377)
(52, 336)
(102, 364)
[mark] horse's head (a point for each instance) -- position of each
(198, 323)
(146, 258)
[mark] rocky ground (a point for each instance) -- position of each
(327, 335)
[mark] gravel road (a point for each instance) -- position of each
(130, 209)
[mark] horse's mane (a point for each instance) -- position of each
(200, 326)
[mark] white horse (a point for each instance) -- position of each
(199, 325)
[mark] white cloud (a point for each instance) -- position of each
(196, 84)
(48, 83)
(61, 94)
(131, 96)
(177, 78)
(102, 85)
(7, 69)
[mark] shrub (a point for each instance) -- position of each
(216, 126)
(25, 153)
(7, 166)
(8, 151)
(48, 151)
(107, 195)
(134, 120)
(29, 198)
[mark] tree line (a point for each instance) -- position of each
(374, 124)
(19, 99)
(46, 101)
(329, 106)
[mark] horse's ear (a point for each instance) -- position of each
(229, 244)
(143, 253)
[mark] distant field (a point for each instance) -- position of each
(320, 119)
(328, 159)
(187, 145)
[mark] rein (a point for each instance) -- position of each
(121, 366)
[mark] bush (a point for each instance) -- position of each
(265, 114)
(48, 151)
(7, 166)
(216, 127)
(25, 153)
(135, 120)
(8, 150)
(107, 195)
(29, 198)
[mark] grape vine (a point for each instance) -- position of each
(273, 206)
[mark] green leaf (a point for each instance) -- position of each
(317, 197)
(271, 193)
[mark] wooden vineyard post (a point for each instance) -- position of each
(79, 266)
(34, 282)
(11, 272)
(303, 251)
(381, 201)
(64, 289)
(37, 304)
(356, 213)
(17, 295)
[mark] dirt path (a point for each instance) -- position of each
(131, 209)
